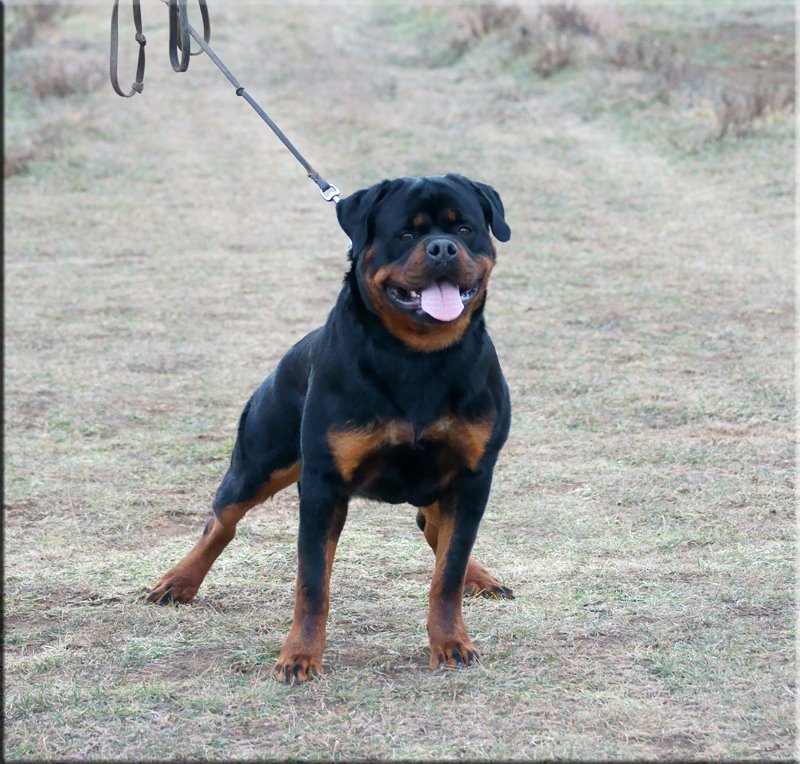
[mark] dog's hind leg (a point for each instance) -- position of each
(478, 582)
(265, 459)
(180, 583)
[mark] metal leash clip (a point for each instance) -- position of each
(330, 194)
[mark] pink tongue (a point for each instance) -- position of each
(442, 300)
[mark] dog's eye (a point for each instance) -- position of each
(406, 236)
(464, 230)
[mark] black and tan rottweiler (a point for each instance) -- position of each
(398, 397)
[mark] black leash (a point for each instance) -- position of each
(180, 34)
(138, 83)
(179, 30)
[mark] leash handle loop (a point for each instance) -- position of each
(178, 35)
(206, 24)
(113, 60)
(180, 31)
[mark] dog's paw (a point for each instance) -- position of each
(479, 582)
(490, 590)
(294, 669)
(453, 654)
(174, 587)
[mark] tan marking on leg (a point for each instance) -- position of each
(278, 480)
(450, 644)
(478, 581)
(300, 658)
(181, 582)
(431, 532)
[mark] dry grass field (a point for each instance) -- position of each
(161, 254)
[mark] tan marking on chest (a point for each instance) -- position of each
(467, 439)
(351, 447)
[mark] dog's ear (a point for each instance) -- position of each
(492, 207)
(356, 214)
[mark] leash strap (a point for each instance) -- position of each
(328, 191)
(180, 34)
(138, 84)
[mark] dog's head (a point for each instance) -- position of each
(422, 254)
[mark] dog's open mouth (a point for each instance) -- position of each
(441, 300)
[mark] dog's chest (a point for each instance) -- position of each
(393, 461)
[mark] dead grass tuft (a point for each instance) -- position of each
(550, 51)
(571, 18)
(46, 73)
(739, 111)
(553, 37)
(47, 77)
(737, 108)
(472, 25)
(24, 23)
(16, 159)
(491, 17)
(671, 67)
(45, 93)
(549, 37)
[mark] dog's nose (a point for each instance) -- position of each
(441, 251)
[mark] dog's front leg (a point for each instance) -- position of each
(323, 510)
(460, 513)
